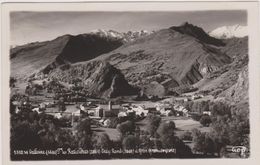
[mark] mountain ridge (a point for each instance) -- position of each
(164, 49)
(62, 50)
(177, 56)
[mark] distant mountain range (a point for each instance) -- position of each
(110, 63)
(225, 32)
(124, 36)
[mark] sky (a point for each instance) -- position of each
(29, 27)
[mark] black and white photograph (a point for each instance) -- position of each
(104, 85)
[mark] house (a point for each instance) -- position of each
(206, 113)
(164, 106)
(126, 107)
(122, 114)
(58, 115)
(37, 110)
(152, 110)
(91, 112)
(107, 113)
(106, 110)
(17, 109)
(139, 110)
(76, 113)
(181, 110)
(165, 112)
(98, 112)
(42, 105)
(196, 96)
(107, 123)
(17, 103)
(83, 107)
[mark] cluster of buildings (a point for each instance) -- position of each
(167, 109)
(110, 110)
(133, 109)
(102, 111)
(193, 97)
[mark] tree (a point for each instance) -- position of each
(130, 142)
(145, 142)
(84, 126)
(167, 134)
(182, 150)
(102, 141)
(187, 135)
(153, 123)
(197, 138)
(203, 142)
(84, 141)
(125, 128)
(61, 105)
(205, 120)
(12, 82)
(209, 145)
(12, 107)
(65, 139)
(114, 122)
(230, 125)
(23, 137)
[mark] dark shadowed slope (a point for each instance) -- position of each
(198, 33)
(31, 58)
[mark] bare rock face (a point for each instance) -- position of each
(239, 91)
(107, 81)
(100, 78)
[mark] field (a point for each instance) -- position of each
(182, 124)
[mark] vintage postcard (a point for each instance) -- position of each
(130, 80)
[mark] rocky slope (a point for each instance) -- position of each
(239, 91)
(173, 57)
(225, 77)
(100, 78)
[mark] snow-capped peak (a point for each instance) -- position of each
(229, 32)
(125, 36)
(108, 33)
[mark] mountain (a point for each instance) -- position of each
(225, 32)
(176, 56)
(108, 62)
(198, 33)
(45, 56)
(100, 78)
(125, 36)
(223, 80)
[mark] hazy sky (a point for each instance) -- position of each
(40, 26)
